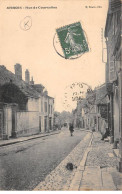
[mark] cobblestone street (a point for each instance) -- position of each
(96, 171)
(25, 164)
(60, 178)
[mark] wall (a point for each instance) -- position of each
(45, 101)
(116, 114)
(51, 112)
(46, 114)
(1, 123)
(27, 123)
(113, 64)
(92, 117)
(33, 104)
(39, 105)
(42, 112)
(110, 49)
(8, 121)
(51, 103)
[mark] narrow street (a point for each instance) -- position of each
(61, 95)
(24, 165)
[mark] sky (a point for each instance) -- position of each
(34, 49)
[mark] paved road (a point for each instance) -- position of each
(25, 165)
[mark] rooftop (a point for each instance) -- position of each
(101, 95)
(7, 76)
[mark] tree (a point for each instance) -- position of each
(63, 117)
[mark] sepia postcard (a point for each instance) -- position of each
(60, 95)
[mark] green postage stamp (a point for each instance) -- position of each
(72, 40)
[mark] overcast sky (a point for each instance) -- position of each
(34, 50)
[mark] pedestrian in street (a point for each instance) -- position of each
(71, 129)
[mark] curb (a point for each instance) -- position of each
(116, 152)
(75, 184)
(79, 175)
(19, 141)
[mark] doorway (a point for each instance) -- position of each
(50, 123)
(40, 123)
(45, 123)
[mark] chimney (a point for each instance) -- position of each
(27, 76)
(18, 71)
(32, 82)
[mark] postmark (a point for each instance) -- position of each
(72, 40)
(75, 92)
(26, 23)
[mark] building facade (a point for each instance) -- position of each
(102, 109)
(78, 115)
(25, 107)
(114, 72)
(92, 111)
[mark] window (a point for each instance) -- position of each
(45, 106)
(41, 105)
(49, 108)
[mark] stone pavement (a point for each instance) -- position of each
(100, 169)
(96, 168)
(26, 138)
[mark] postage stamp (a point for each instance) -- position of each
(72, 40)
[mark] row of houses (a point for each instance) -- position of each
(92, 112)
(25, 107)
(102, 107)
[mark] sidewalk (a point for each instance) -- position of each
(96, 168)
(100, 169)
(22, 139)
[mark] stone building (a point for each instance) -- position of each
(114, 72)
(78, 116)
(92, 111)
(25, 107)
(102, 109)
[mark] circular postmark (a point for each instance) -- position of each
(75, 92)
(70, 41)
(26, 23)
(59, 51)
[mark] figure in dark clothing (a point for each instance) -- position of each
(106, 134)
(71, 129)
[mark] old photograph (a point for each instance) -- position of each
(60, 95)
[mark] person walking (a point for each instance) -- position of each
(71, 129)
